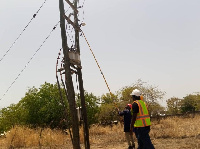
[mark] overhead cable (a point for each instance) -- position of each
(30, 60)
(23, 31)
(32, 57)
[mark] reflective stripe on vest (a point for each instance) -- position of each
(142, 119)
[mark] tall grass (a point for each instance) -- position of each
(19, 137)
(176, 128)
(24, 137)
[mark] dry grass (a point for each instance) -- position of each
(176, 133)
(176, 128)
(23, 137)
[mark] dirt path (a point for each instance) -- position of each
(169, 143)
(186, 143)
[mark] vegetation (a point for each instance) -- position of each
(151, 95)
(174, 105)
(91, 106)
(174, 132)
(190, 103)
(44, 107)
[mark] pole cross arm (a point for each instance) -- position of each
(72, 23)
(72, 6)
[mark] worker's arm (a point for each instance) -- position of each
(121, 113)
(133, 121)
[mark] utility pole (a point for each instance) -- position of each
(68, 80)
(79, 72)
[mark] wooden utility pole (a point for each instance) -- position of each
(79, 72)
(68, 80)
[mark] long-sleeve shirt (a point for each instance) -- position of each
(127, 119)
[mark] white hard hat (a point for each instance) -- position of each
(136, 92)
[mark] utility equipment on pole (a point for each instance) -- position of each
(72, 64)
(68, 80)
(79, 72)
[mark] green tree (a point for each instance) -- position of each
(109, 98)
(11, 116)
(92, 106)
(107, 113)
(174, 105)
(150, 93)
(109, 103)
(190, 103)
(8, 117)
(42, 107)
(155, 108)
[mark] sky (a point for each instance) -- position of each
(156, 41)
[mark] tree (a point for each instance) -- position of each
(8, 117)
(108, 105)
(174, 105)
(150, 93)
(155, 108)
(92, 106)
(107, 113)
(109, 98)
(190, 103)
(43, 106)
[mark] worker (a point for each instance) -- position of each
(140, 121)
(127, 122)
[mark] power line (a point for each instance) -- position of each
(23, 30)
(30, 60)
(33, 55)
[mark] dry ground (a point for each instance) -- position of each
(170, 133)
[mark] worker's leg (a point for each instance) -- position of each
(144, 137)
(127, 135)
(132, 141)
(139, 138)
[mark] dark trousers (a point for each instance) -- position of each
(142, 135)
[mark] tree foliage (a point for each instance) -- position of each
(150, 93)
(40, 107)
(174, 105)
(109, 98)
(43, 107)
(107, 113)
(190, 103)
(155, 108)
(92, 107)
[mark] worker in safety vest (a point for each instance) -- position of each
(126, 113)
(141, 121)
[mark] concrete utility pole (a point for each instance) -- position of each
(68, 80)
(79, 72)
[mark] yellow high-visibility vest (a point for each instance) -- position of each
(143, 118)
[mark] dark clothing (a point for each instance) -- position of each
(142, 133)
(135, 107)
(144, 141)
(127, 119)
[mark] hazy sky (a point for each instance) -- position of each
(153, 40)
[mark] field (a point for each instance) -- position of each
(169, 133)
